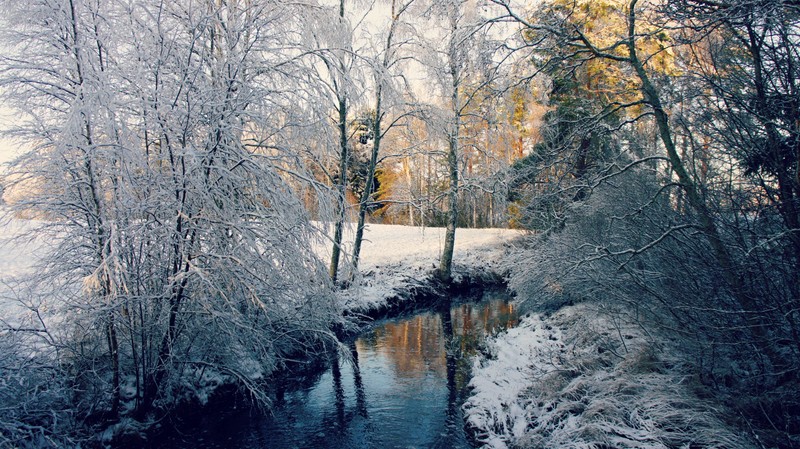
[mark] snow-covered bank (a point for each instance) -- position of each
(578, 380)
(394, 258)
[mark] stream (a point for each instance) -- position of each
(400, 384)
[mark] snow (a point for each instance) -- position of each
(496, 407)
(395, 256)
(392, 257)
(575, 379)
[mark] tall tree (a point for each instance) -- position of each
(388, 59)
(341, 201)
(624, 47)
(464, 33)
(747, 61)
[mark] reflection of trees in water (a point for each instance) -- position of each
(341, 421)
(342, 417)
(338, 391)
(463, 328)
(419, 345)
(358, 382)
(482, 319)
(452, 417)
(439, 342)
(414, 346)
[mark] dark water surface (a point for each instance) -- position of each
(401, 386)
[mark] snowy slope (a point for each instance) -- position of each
(394, 256)
(577, 379)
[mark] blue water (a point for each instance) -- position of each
(400, 385)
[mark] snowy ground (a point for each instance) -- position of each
(577, 379)
(394, 256)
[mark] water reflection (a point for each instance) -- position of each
(414, 377)
(419, 345)
(452, 353)
(338, 391)
(358, 383)
(400, 384)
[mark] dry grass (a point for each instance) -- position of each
(594, 384)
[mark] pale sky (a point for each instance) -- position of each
(7, 147)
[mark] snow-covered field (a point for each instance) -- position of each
(394, 256)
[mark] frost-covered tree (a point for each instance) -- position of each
(386, 65)
(339, 68)
(159, 135)
(458, 49)
(332, 69)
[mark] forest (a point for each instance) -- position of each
(184, 162)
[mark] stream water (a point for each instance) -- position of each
(401, 386)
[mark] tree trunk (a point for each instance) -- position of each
(365, 196)
(341, 203)
(341, 200)
(446, 262)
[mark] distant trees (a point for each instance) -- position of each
(419, 128)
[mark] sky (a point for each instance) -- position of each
(7, 147)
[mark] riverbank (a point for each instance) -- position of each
(582, 377)
(397, 263)
(400, 383)
(396, 279)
